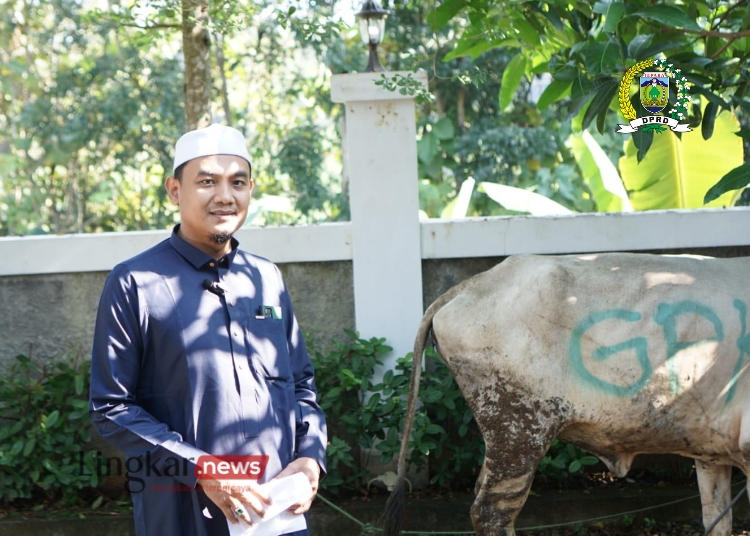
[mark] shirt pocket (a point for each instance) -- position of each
(270, 352)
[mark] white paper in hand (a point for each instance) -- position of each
(284, 492)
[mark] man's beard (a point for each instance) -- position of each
(220, 238)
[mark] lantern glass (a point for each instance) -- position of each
(371, 30)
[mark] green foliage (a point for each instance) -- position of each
(44, 423)
(563, 460)
(91, 103)
(677, 172)
(342, 375)
(586, 47)
(458, 449)
(599, 174)
(508, 152)
(737, 178)
(405, 85)
(86, 139)
(444, 430)
(467, 131)
(301, 159)
(91, 99)
(512, 77)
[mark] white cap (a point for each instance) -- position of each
(214, 139)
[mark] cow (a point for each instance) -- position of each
(618, 353)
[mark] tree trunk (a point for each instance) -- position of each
(223, 73)
(196, 47)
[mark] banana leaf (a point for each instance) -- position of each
(599, 174)
(458, 207)
(677, 173)
(521, 200)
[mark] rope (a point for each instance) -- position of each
(371, 528)
(586, 521)
(340, 511)
(716, 521)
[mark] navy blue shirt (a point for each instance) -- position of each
(178, 372)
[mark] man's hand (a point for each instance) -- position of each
(235, 496)
(312, 471)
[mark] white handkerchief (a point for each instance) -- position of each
(284, 492)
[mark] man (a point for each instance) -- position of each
(197, 352)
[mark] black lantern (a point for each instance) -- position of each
(371, 17)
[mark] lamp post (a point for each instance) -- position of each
(371, 17)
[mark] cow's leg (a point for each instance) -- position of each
(516, 439)
(714, 483)
(480, 479)
(499, 502)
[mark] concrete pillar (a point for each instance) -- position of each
(381, 155)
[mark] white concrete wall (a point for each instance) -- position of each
(46, 254)
(439, 239)
(632, 231)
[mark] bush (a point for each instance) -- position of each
(44, 423)
(563, 460)
(342, 376)
(444, 430)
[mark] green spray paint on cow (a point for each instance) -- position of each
(743, 343)
(638, 344)
(666, 315)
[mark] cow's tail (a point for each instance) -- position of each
(395, 505)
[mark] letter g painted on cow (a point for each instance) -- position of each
(638, 344)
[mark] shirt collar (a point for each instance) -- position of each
(195, 256)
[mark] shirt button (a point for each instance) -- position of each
(241, 366)
(211, 264)
(234, 333)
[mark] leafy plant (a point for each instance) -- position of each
(444, 429)
(577, 54)
(599, 173)
(406, 85)
(343, 375)
(587, 47)
(677, 172)
(43, 426)
(458, 451)
(563, 460)
(521, 200)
